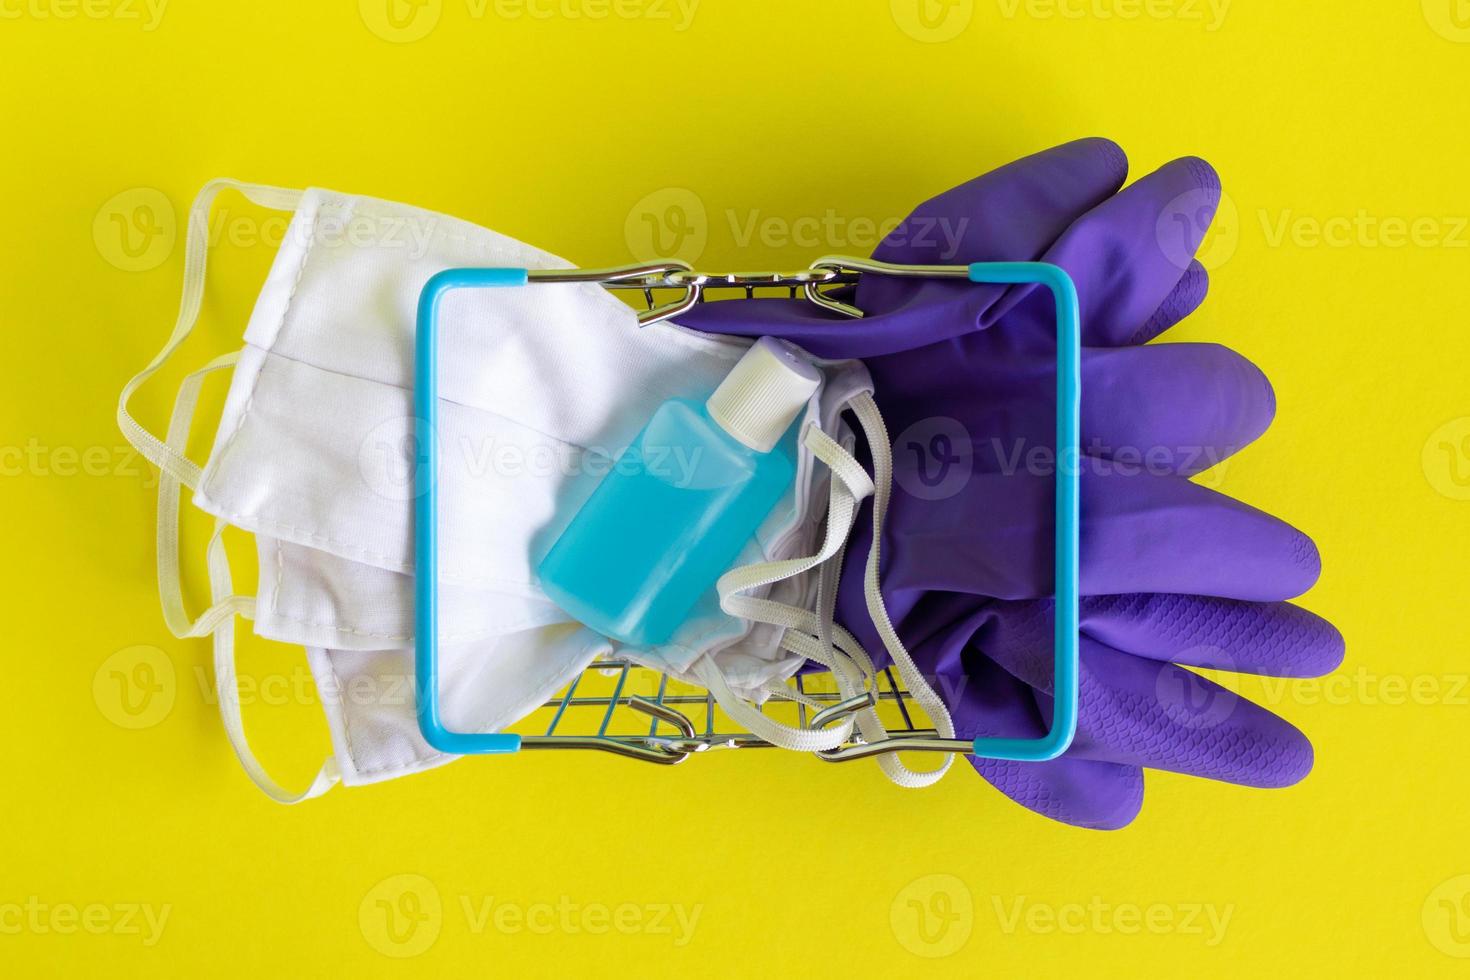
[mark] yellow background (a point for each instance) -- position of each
(1348, 117)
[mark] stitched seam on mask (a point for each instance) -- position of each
(394, 564)
(483, 634)
(389, 563)
(275, 338)
(559, 440)
(688, 338)
(488, 631)
(420, 762)
(684, 335)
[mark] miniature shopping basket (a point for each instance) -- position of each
(620, 707)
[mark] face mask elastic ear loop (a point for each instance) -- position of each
(854, 670)
(175, 468)
(196, 253)
(849, 485)
(877, 434)
(227, 691)
(170, 589)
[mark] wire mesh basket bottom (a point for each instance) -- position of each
(627, 709)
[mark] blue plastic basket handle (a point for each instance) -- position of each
(1068, 510)
(426, 510)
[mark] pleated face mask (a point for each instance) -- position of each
(541, 388)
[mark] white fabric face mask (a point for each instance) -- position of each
(541, 387)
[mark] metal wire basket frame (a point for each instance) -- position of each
(822, 284)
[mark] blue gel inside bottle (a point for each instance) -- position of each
(674, 512)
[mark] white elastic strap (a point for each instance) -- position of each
(853, 680)
(170, 588)
(227, 691)
(919, 688)
(176, 469)
(819, 638)
(849, 485)
(196, 249)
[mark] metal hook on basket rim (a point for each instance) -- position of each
(849, 267)
(645, 276)
(667, 752)
(903, 743)
(676, 274)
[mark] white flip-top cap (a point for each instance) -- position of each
(763, 393)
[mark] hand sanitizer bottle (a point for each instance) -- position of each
(675, 511)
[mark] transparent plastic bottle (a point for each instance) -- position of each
(674, 513)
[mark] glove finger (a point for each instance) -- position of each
(1080, 792)
(1133, 711)
(1097, 795)
(1168, 408)
(1140, 533)
(1128, 254)
(1162, 530)
(1012, 213)
(1274, 639)
(985, 701)
(1186, 297)
(1172, 408)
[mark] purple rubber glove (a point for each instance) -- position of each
(1173, 573)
